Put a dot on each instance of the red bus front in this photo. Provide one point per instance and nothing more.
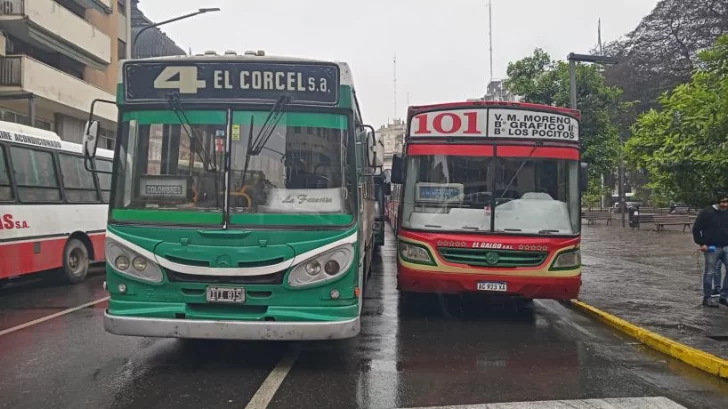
(490, 200)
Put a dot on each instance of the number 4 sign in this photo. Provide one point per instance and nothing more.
(182, 79)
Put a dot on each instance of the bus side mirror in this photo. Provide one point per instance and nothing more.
(91, 139)
(397, 169)
(375, 149)
(583, 177)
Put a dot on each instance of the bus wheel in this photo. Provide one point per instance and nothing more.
(75, 261)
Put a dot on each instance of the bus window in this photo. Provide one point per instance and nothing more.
(6, 192)
(104, 179)
(78, 183)
(35, 175)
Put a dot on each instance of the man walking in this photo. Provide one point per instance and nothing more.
(710, 232)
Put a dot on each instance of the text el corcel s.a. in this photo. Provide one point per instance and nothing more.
(268, 81)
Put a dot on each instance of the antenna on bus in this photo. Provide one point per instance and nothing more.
(395, 85)
(490, 35)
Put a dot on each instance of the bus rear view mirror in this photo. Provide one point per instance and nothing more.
(583, 177)
(397, 169)
(91, 139)
(375, 149)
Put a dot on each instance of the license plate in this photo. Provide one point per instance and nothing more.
(230, 295)
(492, 286)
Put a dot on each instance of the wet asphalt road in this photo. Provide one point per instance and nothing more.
(448, 352)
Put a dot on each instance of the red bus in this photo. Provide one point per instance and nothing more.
(52, 210)
(490, 200)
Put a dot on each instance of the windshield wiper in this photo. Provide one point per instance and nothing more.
(202, 154)
(513, 179)
(548, 231)
(271, 122)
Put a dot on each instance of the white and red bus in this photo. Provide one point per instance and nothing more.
(53, 211)
(490, 200)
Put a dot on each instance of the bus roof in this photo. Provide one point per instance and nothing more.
(346, 76)
(14, 133)
(414, 110)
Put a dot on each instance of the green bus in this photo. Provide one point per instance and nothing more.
(240, 205)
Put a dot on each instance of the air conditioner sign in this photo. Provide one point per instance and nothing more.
(304, 83)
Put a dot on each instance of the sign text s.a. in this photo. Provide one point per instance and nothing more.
(8, 222)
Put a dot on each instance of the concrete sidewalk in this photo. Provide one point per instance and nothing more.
(653, 280)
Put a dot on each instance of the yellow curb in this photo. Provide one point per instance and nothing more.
(691, 356)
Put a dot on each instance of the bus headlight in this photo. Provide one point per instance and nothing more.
(415, 254)
(140, 268)
(567, 259)
(323, 267)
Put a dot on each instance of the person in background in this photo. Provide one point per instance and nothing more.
(710, 232)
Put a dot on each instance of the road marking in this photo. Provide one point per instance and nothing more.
(275, 378)
(50, 317)
(612, 403)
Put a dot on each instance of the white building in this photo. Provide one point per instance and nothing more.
(56, 56)
(392, 135)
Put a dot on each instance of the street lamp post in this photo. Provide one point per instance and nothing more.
(595, 59)
(172, 20)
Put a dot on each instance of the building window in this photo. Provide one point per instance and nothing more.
(120, 7)
(121, 52)
(107, 138)
(18, 118)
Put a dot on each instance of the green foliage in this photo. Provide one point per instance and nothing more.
(540, 80)
(684, 146)
(593, 196)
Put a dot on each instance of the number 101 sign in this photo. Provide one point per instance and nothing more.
(496, 123)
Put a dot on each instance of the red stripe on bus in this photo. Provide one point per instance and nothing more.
(17, 259)
(540, 152)
(453, 150)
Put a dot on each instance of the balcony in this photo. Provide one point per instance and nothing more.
(48, 25)
(53, 90)
(100, 5)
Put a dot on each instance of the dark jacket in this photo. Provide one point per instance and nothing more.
(711, 227)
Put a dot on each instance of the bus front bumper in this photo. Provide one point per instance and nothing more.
(555, 288)
(233, 330)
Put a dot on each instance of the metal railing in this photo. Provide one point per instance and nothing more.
(12, 7)
(11, 71)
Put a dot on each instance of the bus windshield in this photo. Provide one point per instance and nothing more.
(456, 193)
(299, 169)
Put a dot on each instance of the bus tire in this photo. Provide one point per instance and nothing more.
(75, 261)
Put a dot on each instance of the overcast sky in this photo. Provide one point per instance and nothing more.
(441, 45)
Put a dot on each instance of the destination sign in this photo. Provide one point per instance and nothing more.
(495, 123)
(236, 81)
(436, 192)
(161, 187)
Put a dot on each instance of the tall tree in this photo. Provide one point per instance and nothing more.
(539, 79)
(684, 147)
(661, 52)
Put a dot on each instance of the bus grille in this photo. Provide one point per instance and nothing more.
(487, 257)
(269, 279)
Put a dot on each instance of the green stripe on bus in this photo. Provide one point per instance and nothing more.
(303, 119)
(169, 117)
(199, 217)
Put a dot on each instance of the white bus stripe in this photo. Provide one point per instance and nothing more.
(50, 317)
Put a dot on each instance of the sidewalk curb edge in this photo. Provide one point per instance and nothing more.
(694, 357)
